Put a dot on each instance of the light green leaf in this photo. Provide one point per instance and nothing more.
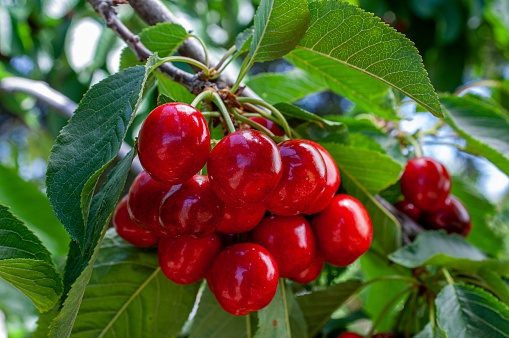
(496, 283)
(278, 27)
(428, 332)
(172, 89)
(243, 40)
(299, 113)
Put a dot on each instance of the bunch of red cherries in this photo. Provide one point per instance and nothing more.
(215, 226)
(426, 185)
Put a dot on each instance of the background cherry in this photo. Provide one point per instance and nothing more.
(425, 183)
(312, 272)
(408, 209)
(128, 230)
(290, 241)
(184, 260)
(304, 176)
(452, 217)
(244, 278)
(350, 335)
(239, 220)
(174, 143)
(269, 125)
(192, 209)
(343, 231)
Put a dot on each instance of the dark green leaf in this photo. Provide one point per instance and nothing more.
(174, 90)
(496, 283)
(162, 99)
(428, 332)
(299, 113)
(243, 40)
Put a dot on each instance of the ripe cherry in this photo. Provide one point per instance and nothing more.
(145, 196)
(269, 125)
(350, 335)
(332, 182)
(192, 209)
(343, 231)
(244, 167)
(128, 230)
(304, 176)
(425, 183)
(184, 260)
(244, 278)
(238, 220)
(174, 143)
(408, 209)
(290, 241)
(452, 217)
(312, 272)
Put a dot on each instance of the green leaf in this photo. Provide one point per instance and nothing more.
(467, 311)
(243, 40)
(174, 90)
(128, 295)
(480, 124)
(89, 142)
(299, 113)
(288, 87)
(278, 27)
(319, 305)
(359, 56)
(428, 332)
(496, 283)
(26, 264)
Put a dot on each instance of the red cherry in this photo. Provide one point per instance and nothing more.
(269, 125)
(244, 278)
(425, 183)
(244, 167)
(331, 185)
(184, 260)
(128, 230)
(290, 241)
(145, 196)
(383, 335)
(174, 143)
(304, 177)
(311, 273)
(192, 209)
(350, 335)
(239, 220)
(343, 231)
(452, 217)
(408, 209)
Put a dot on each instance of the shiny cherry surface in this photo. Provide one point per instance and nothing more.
(244, 278)
(312, 272)
(192, 209)
(238, 220)
(425, 183)
(128, 230)
(290, 241)
(343, 231)
(408, 209)
(174, 143)
(350, 335)
(269, 125)
(452, 217)
(331, 185)
(244, 167)
(184, 260)
(145, 196)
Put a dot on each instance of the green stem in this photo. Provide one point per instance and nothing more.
(285, 306)
(252, 123)
(414, 143)
(447, 275)
(263, 113)
(228, 53)
(181, 59)
(224, 111)
(432, 319)
(248, 326)
(204, 49)
(220, 71)
(272, 109)
(480, 83)
(206, 95)
(243, 71)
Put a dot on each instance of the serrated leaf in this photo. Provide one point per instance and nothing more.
(243, 40)
(350, 48)
(174, 90)
(497, 284)
(480, 124)
(278, 27)
(162, 99)
(467, 311)
(297, 112)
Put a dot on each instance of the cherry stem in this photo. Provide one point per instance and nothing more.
(413, 142)
(181, 59)
(262, 112)
(248, 325)
(285, 307)
(272, 109)
(228, 53)
(206, 95)
(204, 49)
(480, 83)
(447, 275)
(220, 71)
(224, 111)
(252, 123)
(243, 72)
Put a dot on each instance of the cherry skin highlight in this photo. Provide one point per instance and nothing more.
(425, 183)
(452, 217)
(312, 272)
(408, 209)
(184, 260)
(239, 220)
(244, 167)
(331, 185)
(174, 143)
(290, 241)
(343, 231)
(244, 278)
(191, 209)
(269, 125)
(304, 177)
(128, 230)
(145, 196)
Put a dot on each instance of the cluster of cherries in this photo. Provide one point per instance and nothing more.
(426, 185)
(216, 227)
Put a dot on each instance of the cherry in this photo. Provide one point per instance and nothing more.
(244, 278)
(304, 176)
(312, 272)
(174, 143)
(350, 335)
(186, 261)
(244, 167)
(383, 335)
(452, 217)
(191, 209)
(145, 196)
(425, 183)
(269, 125)
(239, 220)
(343, 231)
(331, 185)
(290, 241)
(128, 230)
(408, 209)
